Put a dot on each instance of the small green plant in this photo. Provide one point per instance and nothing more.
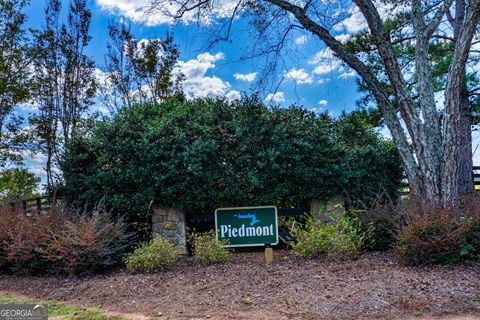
(309, 239)
(338, 237)
(158, 254)
(206, 248)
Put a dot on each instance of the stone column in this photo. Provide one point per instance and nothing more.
(169, 224)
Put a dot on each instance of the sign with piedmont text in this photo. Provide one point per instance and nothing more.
(247, 226)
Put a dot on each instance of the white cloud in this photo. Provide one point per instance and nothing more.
(141, 12)
(325, 62)
(276, 97)
(343, 37)
(34, 159)
(301, 40)
(386, 133)
(233, 95)
(300, 76)
(248, 77)
(323, 102)
(197, 84)
(195, 68)
(348, 74)
(355, 22)
(35, 163)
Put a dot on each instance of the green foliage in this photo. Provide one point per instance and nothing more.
(158, 254)
(440, 55)
(15, 84)
(204, 154)
(17, 184)
(371, 162)
(206, 248)
(62, 241)
(337, 237)
(439, 236)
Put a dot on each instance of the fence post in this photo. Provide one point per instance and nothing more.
(39, 205)
(24, 206)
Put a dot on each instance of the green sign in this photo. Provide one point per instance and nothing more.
(248, 226)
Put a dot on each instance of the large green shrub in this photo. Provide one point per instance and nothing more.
(158, 254)
(204, 154)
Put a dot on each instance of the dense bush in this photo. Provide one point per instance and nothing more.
(371, 166)
(61, 241)
(24, 240)
(206, 248)
(439, 236)
(158, 254)
(204, 154)
(337, 237)
(379, 222)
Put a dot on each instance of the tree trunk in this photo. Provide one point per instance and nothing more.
(465, 174)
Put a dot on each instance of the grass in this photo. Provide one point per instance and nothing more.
(60, 311)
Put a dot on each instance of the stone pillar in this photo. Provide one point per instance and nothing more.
(169, 224)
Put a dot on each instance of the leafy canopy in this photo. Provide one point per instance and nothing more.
(18, 183)
(204, 154)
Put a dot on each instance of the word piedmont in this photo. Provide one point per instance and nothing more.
(228, 231)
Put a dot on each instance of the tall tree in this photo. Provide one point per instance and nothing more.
(14, 78)
(138, 71)
(441, 48)
(427, 138)
(79, 79)
(64, 78)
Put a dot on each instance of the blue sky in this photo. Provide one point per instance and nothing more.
(322, 91)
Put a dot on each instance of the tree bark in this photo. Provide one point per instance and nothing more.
(465, 176)
(453, 96)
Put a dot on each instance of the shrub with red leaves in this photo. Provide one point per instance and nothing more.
(430, 235)
(61, 241)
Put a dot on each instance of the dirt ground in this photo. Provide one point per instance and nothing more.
(372, 287)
